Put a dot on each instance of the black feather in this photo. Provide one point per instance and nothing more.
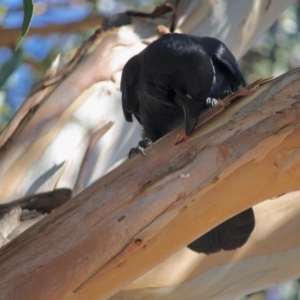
(168, 84)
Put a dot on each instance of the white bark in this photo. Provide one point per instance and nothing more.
(45, 147)
(239, 24)
(270, 256)
(143, 211)
(38, 156)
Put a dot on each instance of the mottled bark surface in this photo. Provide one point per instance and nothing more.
(143, 211)
(71, 131)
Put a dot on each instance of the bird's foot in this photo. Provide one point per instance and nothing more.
(142, 145)
(212, 102)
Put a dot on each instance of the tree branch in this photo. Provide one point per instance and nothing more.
(8, 37)
(142, 212)
(267, 258)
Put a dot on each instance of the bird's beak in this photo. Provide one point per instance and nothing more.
(192, 110)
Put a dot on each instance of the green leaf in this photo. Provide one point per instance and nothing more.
(28, 13)
(10, 66)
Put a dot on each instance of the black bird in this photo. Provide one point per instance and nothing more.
(167, 84)
(171, 82)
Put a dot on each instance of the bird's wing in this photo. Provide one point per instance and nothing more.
(229, 235)
(227, 63)
(224, 59)
(129, 82)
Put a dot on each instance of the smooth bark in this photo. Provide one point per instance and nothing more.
(148, 208)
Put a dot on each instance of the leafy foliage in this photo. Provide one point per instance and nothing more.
(28, 13)
(10, 66)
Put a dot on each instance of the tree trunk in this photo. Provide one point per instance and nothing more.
(67, 134)
(148, 208)
(270, 256)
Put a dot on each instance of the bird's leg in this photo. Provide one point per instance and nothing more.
(142, 145)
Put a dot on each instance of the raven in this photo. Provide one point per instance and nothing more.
(170, 83)
(161, 87)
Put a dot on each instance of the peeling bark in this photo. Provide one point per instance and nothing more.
(141, 206)
(65, 136)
